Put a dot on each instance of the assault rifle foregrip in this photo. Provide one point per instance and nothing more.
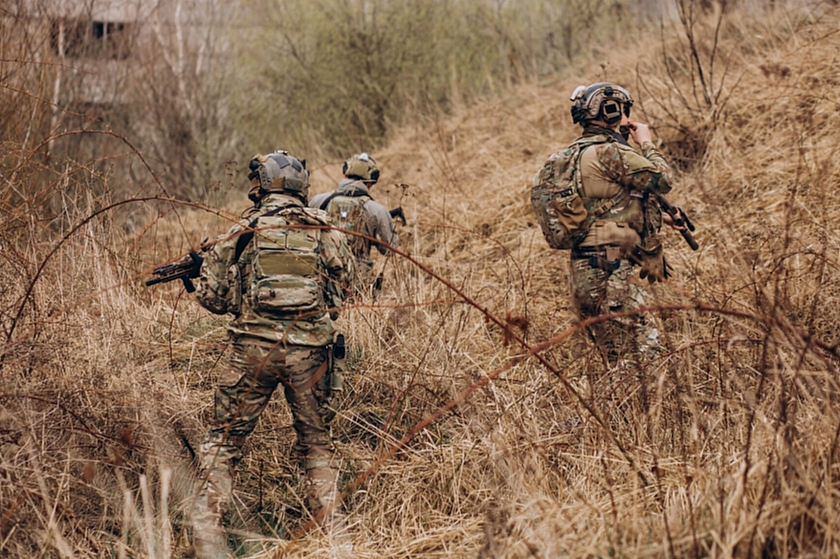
(398, 213)
(680, 219)
(185, 269)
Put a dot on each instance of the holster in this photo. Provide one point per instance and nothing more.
(604, 257)
(332, 381)
(602, 263)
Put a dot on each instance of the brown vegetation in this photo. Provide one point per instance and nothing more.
(476, 421)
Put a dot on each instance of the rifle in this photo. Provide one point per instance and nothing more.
(397, 213)
(681, 221)
(186, 269)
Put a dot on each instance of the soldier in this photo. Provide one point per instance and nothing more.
(281, 273)
(595, 199)
(352, 208)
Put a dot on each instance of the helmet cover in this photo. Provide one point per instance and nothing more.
(361, 167)
(603, 101)
(278, 172)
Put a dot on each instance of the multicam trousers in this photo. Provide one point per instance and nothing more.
(256, 368)
(631, 340)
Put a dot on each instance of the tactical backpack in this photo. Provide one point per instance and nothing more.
(565, 217)
(347, 211)
(287, 278)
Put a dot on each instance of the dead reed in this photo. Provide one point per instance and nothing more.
(728, 449)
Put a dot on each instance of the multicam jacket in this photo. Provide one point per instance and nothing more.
(226, 275)
(610, 166)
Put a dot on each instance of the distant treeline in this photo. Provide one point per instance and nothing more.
(182, 90)
(338, 75)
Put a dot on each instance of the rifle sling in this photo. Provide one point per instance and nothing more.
(355, 193)
(596, 213)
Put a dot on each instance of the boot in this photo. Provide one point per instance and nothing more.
(322, 498)
(208, 532)
(214, 488)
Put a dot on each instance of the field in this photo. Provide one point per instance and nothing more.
(477, 420)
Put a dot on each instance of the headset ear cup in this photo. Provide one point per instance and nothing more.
(344, 168)
(374, 175)
(610, 111)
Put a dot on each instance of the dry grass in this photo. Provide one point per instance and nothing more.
(729, 449)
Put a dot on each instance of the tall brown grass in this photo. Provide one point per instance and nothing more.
(726, 449)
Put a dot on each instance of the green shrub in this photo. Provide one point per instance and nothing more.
(335, 76)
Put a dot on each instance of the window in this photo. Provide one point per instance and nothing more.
(76, 38)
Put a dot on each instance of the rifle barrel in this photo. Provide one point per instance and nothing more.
(689, 238)
(683, 221)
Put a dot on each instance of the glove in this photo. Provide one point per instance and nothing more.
(655, 269)
(652, 261)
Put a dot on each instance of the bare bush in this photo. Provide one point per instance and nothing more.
(337, 76)
(476, 421)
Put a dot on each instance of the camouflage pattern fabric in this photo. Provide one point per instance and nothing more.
(255, 370)
(348, 213)
(610, 169)
(270, 348)
(627, 344)
(564, 216)
(222, 286)
(596, 292)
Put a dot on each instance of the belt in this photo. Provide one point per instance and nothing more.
(610, 252)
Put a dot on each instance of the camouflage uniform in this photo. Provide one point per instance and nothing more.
(268, 351)
(606, 169)
(379, 225)
(610, 168)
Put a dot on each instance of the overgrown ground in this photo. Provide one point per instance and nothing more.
(476, 422)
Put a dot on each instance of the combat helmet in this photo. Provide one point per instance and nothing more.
(603, 101)
(278, 172)
(361, 167)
